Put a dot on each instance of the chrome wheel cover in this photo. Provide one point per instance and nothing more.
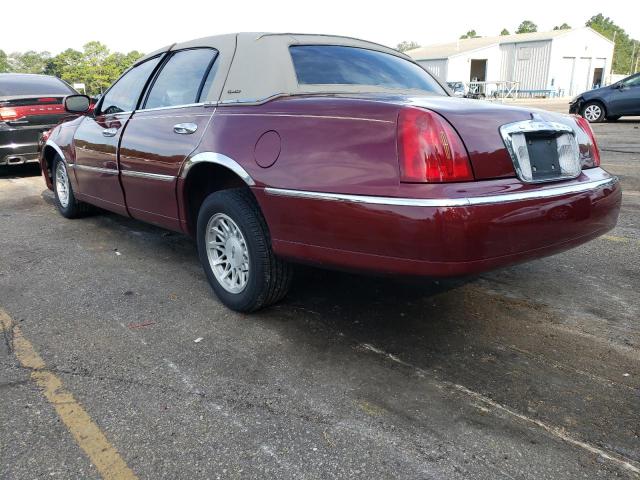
(228, 253)
(592, 113)
(62, 184)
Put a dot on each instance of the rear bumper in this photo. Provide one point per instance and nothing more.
(19, 146)
(440, 237)
(19, 154)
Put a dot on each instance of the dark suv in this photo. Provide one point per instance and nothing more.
(611, 102)
(29, 105)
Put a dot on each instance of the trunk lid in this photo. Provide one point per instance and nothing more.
(31, 110)
(478, 124)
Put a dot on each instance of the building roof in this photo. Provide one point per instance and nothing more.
(446, 50)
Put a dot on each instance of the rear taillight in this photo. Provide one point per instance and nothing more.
(7, 114)
(429, 149)
(589, 153)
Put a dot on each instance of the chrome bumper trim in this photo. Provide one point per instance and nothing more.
(542, 192)
(14, 146)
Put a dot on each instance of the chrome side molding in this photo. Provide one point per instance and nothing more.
(89, 168)
(217, 159)
(449, 202)
(151, 176)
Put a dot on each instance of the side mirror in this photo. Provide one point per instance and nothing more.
(77, 103)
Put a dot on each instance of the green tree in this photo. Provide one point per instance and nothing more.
(96, 75)
(470, 34)
(564, 26)
(407, 45)
(504, 32)
(4, 62)
(29, 62)
(95, 66)
(65, 64)
(527, 26)
(623, 50)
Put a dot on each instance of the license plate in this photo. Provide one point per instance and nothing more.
(542, 151)
(543, 157)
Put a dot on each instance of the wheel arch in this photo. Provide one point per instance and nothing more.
(49, 153)
(206, 173)
(599, 101)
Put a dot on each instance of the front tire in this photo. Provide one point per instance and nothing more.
(65, 199)
(594, 112)
(234, 247)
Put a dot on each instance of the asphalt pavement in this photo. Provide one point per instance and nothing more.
(528, 372)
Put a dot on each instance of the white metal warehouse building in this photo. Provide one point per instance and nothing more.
(565, 62)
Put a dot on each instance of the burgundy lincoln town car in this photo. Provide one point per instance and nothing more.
(269, 148)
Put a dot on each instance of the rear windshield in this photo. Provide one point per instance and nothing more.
(13, 85)
(339, 65)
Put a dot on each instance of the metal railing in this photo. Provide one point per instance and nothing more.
(497, 89)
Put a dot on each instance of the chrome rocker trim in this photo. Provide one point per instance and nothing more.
(448, 202)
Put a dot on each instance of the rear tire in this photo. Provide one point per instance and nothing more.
(594, 112)
(65, 199)
(234, 247)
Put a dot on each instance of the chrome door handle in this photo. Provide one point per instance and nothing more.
(185, 128)
(109, 132)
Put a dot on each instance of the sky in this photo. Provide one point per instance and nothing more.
(125, 25)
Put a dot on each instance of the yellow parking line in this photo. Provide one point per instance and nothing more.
(87, 434)
(613, 238)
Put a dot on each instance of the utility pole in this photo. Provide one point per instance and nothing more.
(633, 54)
(613, 54)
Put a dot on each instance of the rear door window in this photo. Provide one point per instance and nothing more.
(340, 65)
(16, 85)
(182, 79)
(124, 95)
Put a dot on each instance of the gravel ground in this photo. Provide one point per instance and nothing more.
(529, 372)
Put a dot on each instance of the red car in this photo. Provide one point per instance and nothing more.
(270, 148)
(29, 105)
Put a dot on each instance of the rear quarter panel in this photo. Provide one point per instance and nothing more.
(326, 144)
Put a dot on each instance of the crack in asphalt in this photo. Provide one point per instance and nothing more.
(623, 461)
(15, 383)
(619, 151)
(7, 335)
(230, 401)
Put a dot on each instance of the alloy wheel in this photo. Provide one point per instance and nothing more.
(62, 184)
(228, 253)
(592, 113)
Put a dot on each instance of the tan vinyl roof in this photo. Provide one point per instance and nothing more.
(259, 65)
(446, 50)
